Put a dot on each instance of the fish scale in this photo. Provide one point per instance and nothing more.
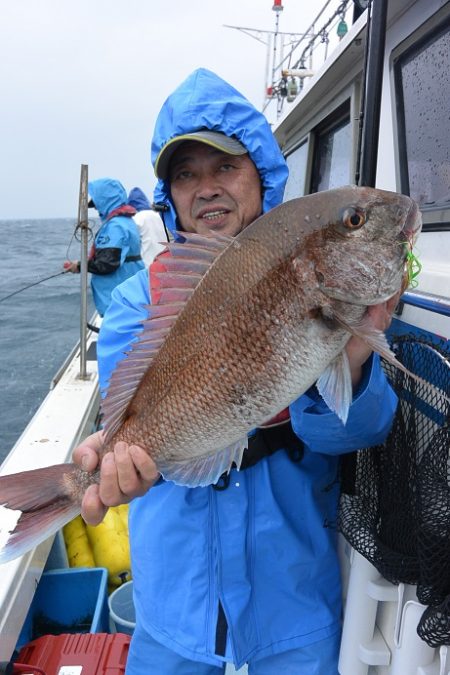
(241, 328)
(240, 350)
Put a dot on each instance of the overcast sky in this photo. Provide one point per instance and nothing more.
(83, 80)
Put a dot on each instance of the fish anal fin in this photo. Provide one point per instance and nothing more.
(205, 470)
(335, 386)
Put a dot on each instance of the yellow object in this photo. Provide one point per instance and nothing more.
(79, 550)
(123, 512)
(110, 546)
(104, 545)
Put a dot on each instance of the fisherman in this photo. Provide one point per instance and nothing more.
(244, 571)
(115, 255)
(150, 225)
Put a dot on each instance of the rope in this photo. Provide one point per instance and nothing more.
(31, 285)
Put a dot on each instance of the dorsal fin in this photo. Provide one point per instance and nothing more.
(174, 275)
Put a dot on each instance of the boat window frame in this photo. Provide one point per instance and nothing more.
(434, 219)
(340, 116)
(308, 140)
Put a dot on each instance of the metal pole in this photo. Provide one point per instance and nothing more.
(83, 226)
(373, 86)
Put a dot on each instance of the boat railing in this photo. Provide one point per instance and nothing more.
(94, 322)
(432, 302)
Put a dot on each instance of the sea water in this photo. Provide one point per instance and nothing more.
(40, 325)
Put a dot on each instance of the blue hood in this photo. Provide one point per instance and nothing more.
(138, 199)
(107, 194)
(205, 101)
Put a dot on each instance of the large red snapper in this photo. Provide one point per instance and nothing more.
(242, 327)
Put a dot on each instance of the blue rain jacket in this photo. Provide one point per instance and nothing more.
(116, 241)
(265, 547)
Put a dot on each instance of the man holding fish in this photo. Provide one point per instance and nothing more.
(244, 570)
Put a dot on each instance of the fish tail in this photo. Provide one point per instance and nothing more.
(34, 505)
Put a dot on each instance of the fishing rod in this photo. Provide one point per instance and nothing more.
(52, 276)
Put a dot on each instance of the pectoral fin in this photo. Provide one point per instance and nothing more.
(376, 339)
(335, 386)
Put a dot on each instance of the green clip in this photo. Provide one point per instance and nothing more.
(413, 268)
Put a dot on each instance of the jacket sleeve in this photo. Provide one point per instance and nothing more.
(369, 421)
(105, 261)
(111, 248)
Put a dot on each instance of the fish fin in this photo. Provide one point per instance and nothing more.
(205, 470)
(33, 506)
(212, 241)
(335, 386)
(178, 270)
(180, 267)
(174, 280)
(200, 246)
(377, 340)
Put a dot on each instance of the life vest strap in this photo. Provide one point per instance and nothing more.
(265, 442)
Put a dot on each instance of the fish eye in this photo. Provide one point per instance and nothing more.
(353, 218)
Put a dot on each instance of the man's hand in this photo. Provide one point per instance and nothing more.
(126, 473)
(72, 266)
(358, 351)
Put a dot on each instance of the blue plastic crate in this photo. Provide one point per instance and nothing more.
(68, 601)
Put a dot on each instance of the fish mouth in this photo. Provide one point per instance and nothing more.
(412, 224)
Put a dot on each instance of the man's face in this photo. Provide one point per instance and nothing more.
(213, 191)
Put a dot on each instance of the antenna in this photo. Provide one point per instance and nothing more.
(275, 41)
(285, 79)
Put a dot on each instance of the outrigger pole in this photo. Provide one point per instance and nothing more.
(371, 97)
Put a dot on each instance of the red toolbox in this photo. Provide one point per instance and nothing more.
(76, 654)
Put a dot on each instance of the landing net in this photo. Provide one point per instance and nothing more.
(395, 504)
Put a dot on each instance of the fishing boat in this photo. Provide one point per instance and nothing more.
(374, 112)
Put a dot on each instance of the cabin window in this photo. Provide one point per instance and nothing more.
(332, 157)
(297, 163)
(423, 92)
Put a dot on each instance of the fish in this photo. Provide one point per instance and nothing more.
(239, 328)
